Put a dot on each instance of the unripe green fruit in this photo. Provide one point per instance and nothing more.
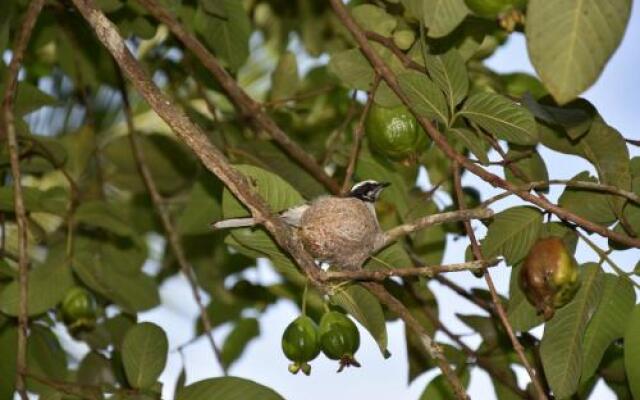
(549, 276)
(300, 344)
(403, 39)
(339, 338)
(78, 310)
(395, 133)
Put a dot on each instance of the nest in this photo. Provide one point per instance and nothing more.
(339, 231)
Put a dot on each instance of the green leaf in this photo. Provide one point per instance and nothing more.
(521, 314)
(502, 117)
(529, 163)
(100, 214)
(632, 351)
(285, 80)
(394, 256)
(29, 98)
(201, 208)
(8, 356)
(512, 233)
(449, 72)
(375, 19)
(244, 330)
(53, 200)
(608, 323)
(439, 387)
(277, 193)
(575, 117)
(561, 38)
(45, 358)
(228, 388)
(424, 95)
(561, 345)
(47, 285)
(352, 68)
(227, 35)
(471, 141)
(365, 308)
(95, 370)
(590, 204)
(443, 16)
(144, 354)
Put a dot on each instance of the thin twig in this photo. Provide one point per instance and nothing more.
(428, 271)
(434, 350)
(245, 105)
(8, 126)
(399, 231)
(440, 140)
(334, 138)
(477, 253)
(167, 224)
(358, 134)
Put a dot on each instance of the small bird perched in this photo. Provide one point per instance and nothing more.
(341, 231)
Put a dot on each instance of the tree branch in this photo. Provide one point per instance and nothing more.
(358, 134)
(399, 231)
(383, 70)
(242, 101)
(11, 86)
(165, 218)
(477, 253)
(428, 271)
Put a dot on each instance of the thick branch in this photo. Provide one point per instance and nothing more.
(428, 271)
(167, 224)
(242, 101)
(434, 350)
(477, 253)
(397, 232)
(193, 136)
(11, 86)
(383, 70)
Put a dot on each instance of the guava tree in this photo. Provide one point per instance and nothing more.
(130, 125)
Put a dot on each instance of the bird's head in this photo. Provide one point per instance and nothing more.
(368, 190)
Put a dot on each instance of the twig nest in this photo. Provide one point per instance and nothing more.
(339, 231)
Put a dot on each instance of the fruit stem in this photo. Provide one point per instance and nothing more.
(304, 298)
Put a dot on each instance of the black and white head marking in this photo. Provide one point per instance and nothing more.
(368, 190)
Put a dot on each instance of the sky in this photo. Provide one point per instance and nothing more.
(616, 95)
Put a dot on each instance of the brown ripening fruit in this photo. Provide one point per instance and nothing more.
(549, 276)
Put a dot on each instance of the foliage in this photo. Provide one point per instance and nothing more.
(94, 226)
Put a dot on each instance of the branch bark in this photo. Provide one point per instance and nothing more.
(242, 101)
(11, 86)
(165, 218)
(428, 271)
(383, 70)
(477, 253)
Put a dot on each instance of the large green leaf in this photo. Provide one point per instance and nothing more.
(424, 95)
(47, 286)
(439, 387)
(365, 308)
(228, 388)
(29, 98)
(570, 41)
(53, 200)
(352, 68)
(521, 314)
(227, 34)
(144, 354)
(471, 141)
(443, 16)
(589, 204)
(277, 193)
(449, 72)
(45, 358)
(201, 208)
(608, 323)
(284, 79)
(8, 356)
(244, 330)
(502, 117)
(561, 346)
(512, 233)
(529, 164)
(374, 19)
(632, 351)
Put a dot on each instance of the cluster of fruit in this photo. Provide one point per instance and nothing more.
(337, 336)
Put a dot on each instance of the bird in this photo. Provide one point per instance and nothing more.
(341, 231)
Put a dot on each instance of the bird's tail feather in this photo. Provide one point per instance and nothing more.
(233, 223)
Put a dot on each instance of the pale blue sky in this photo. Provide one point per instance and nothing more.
(617, 97)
